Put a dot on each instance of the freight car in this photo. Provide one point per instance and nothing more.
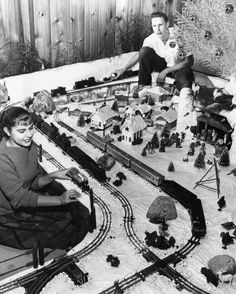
(87, 163)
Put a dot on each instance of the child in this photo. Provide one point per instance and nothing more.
(27, 214)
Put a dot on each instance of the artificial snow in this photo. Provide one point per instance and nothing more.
(140, 194)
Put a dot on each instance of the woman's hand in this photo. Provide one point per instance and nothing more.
(70, 196)
(60, 174)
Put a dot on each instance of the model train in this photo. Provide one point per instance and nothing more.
(125, 158)
(61, 140)
(181, 194)
(79, 178)
(188, 199)
(91, 82)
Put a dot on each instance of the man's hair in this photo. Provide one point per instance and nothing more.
(160, 14)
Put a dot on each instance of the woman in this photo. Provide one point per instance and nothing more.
(27, 214)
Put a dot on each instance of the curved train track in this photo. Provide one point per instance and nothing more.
(43, 275)
(40, 278)
(160, 265)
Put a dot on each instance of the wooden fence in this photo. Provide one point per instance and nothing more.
(68, 31)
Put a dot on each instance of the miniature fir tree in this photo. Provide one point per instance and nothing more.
(114, 106)
(144, 152)
(206, 28)
(200, 160)
(224, 158)
(81, 121)
(151, 100)
(162, 146)
(155, 140)
(171, 167)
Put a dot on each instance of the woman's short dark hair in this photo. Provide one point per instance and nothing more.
(12, 116)
(160, 14)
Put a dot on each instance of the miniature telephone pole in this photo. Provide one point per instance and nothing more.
(202, 182)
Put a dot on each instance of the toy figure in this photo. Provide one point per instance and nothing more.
(211, 278)
(214, 136)
(203, 148)
(226, 239)
(191, 150)
(221, 202)
(178, 143)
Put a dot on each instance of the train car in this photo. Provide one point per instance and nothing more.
(87, 163)
(75, 273)
(120, 155)
(178, 192)
(198, 219)
(96, 140)
(146, 171)
(80, 179)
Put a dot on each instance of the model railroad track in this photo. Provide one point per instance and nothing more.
(66, 126)
(180, 281)
(130, 77)
(160, 265)
(39, 278)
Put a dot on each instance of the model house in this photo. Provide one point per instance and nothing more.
(102, 118)
(165, 117)
(132, 128)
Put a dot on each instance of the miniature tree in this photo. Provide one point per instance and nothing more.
(81, 121)
(116, 129)
(224, 158)
(115, 106)
(211, 41)
(178, 142)
(171, 167)
(151, 100)
(155, 140)
(200, 160)
(144, 152)
(165, 131)
(162, 146)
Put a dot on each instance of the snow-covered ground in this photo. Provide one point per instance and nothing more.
(140, 193)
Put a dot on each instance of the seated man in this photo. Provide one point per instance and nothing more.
(161, 52)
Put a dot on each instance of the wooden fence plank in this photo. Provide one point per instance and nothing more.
(58, 32)
(87, 27)
(77, 25)
(42, 28)
(25, 20)
(106, 28)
